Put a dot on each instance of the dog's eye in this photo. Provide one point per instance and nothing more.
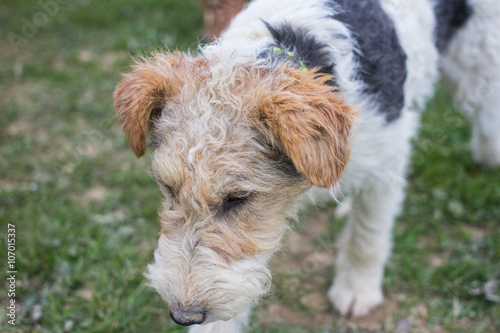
(235, 200)
(168, 189)
(165, 187)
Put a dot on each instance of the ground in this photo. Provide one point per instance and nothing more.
(85, 209)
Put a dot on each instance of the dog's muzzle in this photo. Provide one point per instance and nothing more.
(187, 318)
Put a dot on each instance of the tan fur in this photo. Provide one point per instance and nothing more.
(314, 125)
(228, 127)
(145, 90)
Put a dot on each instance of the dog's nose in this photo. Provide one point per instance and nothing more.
(187, 318)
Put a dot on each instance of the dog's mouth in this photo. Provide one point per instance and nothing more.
(203, 288)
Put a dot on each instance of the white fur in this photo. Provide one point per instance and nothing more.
(471, 67)
(375, 174)
(235, 324)
(182, 275)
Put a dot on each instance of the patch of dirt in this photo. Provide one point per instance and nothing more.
(283, 315)
(85, 56)
(147, 247)
(109, 58)
(97, 193)
(305, 269)
(322, 315)
(300, 251)
(316, 301)
(374, 321)
(28, 96)
(20, 127)
(27, 128)
(298, 244)
(106, 59)
(20, 185)
(87, 292)
(435, 260)
(475, 232)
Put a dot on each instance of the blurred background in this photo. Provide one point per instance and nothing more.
(85, 209)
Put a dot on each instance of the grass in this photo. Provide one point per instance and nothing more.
(85, 209)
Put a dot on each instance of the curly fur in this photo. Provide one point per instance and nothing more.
(239, 139)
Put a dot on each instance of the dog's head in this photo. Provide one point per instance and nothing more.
(235, 145)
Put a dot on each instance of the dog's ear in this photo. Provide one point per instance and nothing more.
(313, 124)
(143, 92)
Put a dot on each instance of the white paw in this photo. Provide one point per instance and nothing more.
(354, 297)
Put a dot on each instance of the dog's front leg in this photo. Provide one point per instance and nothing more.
(234, 325)
(364, 248)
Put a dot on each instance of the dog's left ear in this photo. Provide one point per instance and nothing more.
(143, 92)
(313, 123)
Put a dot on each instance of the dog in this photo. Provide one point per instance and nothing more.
(298, 95)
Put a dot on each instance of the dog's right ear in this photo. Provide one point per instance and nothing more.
(143, 92)
(312, 122)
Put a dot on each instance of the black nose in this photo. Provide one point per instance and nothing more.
(187, 318)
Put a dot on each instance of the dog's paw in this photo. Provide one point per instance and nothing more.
(356, 300)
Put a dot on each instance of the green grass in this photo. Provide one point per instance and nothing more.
(85, 208)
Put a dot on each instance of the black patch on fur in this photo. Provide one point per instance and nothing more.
(303, 45)
(450, 16)
(156, 137)
(279, 161)
(381, 58)
(286, 166)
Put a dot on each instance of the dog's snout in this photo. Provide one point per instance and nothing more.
(187, 318)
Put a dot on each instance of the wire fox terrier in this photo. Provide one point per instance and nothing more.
(298, 95)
